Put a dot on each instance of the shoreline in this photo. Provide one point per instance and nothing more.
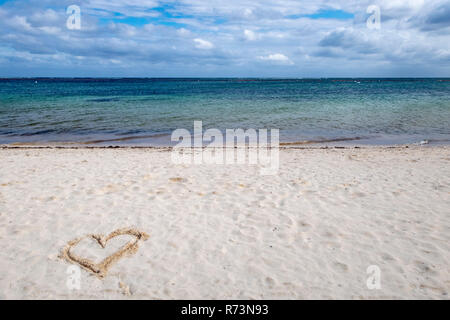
(282, 146)
(157, 140)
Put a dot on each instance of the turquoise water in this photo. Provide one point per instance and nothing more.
(146, 111)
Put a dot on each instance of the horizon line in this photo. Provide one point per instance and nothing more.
(244, 78)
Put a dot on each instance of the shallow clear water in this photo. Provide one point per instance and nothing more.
(146, 111)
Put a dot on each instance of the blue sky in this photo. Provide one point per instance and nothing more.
(233, 38)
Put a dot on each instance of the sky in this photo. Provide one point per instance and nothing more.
(231, 38)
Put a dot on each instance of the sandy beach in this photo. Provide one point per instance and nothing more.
(225, 231)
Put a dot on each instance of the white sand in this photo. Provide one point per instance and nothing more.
(226, 232)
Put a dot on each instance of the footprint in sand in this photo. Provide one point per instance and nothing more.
(342, 267)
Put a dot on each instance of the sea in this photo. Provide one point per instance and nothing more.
(145, 112)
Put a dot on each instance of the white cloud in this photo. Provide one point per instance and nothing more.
(50, 30)
(203, 44)
(19, 22)
(185, 34)
(276, 57)
(48, 16)
(250, 35)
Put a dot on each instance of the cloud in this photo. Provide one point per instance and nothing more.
(203, 44)
(19, 23)
(250, 35)
(440, 16)
(130, 8)
(276, 57)
(232, 38)
(436, 18)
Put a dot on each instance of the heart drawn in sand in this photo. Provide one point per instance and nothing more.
(101, 269)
